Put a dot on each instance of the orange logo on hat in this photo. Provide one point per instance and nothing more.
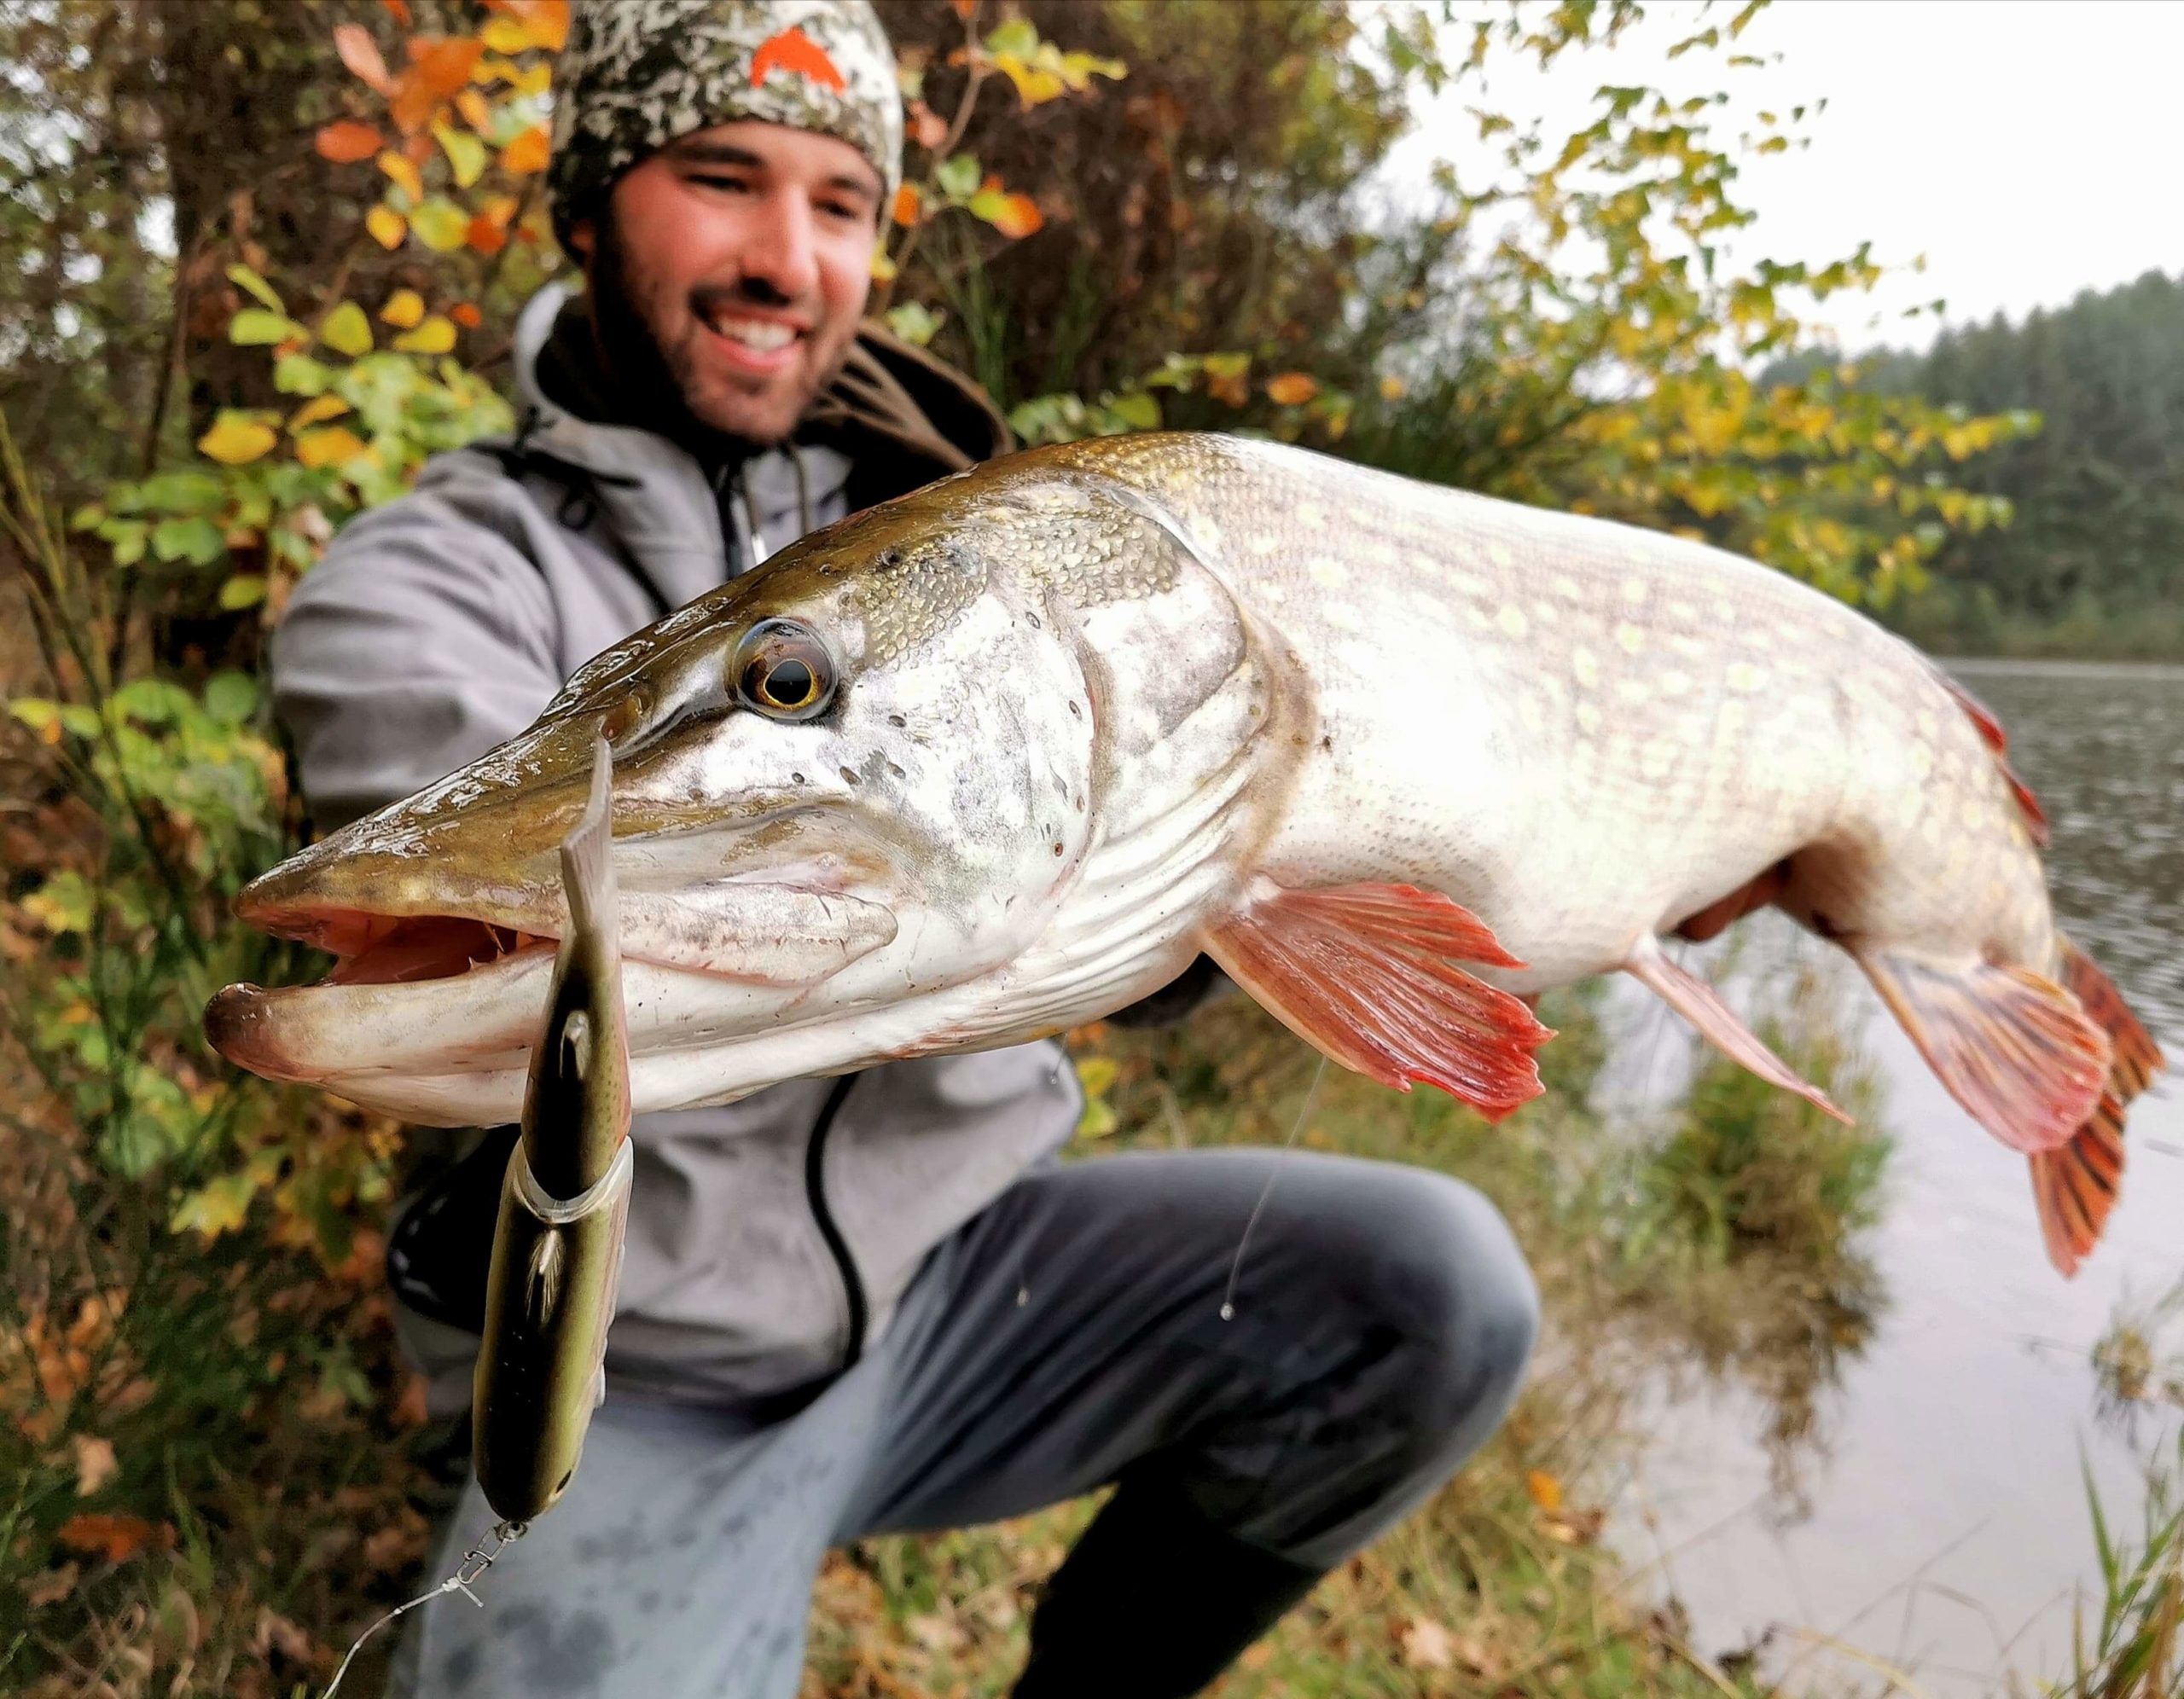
(794, 50)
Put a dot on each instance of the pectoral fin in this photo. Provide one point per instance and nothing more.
(1699, 1003)
(1367, 974)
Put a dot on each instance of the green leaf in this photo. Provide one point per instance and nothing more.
(300, 374)
(89, 517)
(347, 331)
(915, 323)
(252, 328)
(126, 538)
(958, 177)
(195, 539)
(440, 224)
(181, 492)
(244, 278)
(1137, 409)
(230, 698)
(1016, 36)
(149, 702)
(245, 589)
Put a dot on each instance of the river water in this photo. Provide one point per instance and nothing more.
(1944, 1527)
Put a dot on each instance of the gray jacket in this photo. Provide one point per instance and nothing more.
(769, 1240)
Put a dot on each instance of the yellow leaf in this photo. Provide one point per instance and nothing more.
(884, 268)
(506, 35)
(535, 79)
(236, 439)
(436, 335)
(329, 447)
(404, 308)
(1546, 1490)
(317, 412)
(347, 331)
(387, 226)
(1096, 1074)
(1292, 389)
(440, 224)
(466, 153)
(1391, 388)
(403, 175)
(1035, 85)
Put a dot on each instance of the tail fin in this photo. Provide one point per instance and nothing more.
(2075, 1187)
(587, 855)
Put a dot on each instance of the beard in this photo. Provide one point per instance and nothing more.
(655, 373)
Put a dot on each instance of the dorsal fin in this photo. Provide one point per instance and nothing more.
(1998, 740)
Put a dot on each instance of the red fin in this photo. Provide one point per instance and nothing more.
(2075, 1187)
(1992, 734)
(1367, 974)
(2138, 1058)
(2011, 1046)
(1699, 1003)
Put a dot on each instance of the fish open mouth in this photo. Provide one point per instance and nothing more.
(401, 949)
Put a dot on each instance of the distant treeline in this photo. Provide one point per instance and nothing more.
(2092, 564)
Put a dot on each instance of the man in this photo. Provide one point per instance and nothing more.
(872, 1303)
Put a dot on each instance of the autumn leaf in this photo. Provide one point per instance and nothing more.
(528, 153)
(466, 314)
(484, 235)
(443, 64)
(884, 269)
(1035, 84)
(440, 224)
(331, 447)
(256, 286)
(401, 174)
(345, 142)
(928, 128)
(347, 331)
(99, 1534)
(466, 153)
(1292, 389)
(436, 335)
(96, 1464)
(399, 10)
(255, 327)
(317, 412)
(360, 52)
(404, 308)
(475, 112)
(236, 439)
(1545, 1490)
(908, 202)
(1391, 388)
(387, 227)
(545, 23)
(1019, 216)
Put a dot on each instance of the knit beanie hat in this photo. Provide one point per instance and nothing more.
(636, 74)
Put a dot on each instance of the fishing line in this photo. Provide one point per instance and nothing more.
(1273, 1174)
(476, 1561)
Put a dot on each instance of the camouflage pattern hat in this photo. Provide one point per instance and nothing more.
(636, 74)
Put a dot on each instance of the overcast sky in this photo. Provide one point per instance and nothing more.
(2028, 148)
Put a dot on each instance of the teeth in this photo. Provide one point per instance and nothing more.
(758, 335)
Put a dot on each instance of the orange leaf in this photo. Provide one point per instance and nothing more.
(98, 1535)
(444, 63)
(964, 8)
(907, 205)
(475, 112)
(1019, 216)
(1546, 1490)
(466, 313)
(528, 153)
(345, 142)
(405, 175)
(360, 52)
(795, 51)
(1292, 389)
(412, 103)
(545, 21)
(928, 128)
(399, 10)
(485, 236)
(387, 226)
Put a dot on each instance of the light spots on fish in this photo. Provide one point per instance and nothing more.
(1343, 616)
(1545, 612)
(1310, 514)
(1584, 668)
(1744, 676)
(1529, 715)
(1632, 691)
(1327, 574)
(1922, 761)
(1566, 588)
(1675, 681)
(1629, 638)
(1511, 619)
(1636, 590)
(1381, 553)
(1655, 759)
(1691, 648)
(1269, 591)
(1589, 717)
(1498, 553)
(1264, 544)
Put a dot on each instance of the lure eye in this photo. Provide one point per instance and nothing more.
(782, 670)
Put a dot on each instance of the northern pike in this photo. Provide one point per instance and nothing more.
(1002, 756)
(565, 1202)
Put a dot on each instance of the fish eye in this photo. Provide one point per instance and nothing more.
(782, 670)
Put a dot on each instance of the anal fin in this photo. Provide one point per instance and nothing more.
(1367, 975)
(2012, 1047)
(1699, 1003)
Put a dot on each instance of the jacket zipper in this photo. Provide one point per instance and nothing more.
(815, 1192)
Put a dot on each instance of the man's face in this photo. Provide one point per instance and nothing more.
(732, 272)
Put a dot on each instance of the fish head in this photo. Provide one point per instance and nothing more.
(860, 775)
